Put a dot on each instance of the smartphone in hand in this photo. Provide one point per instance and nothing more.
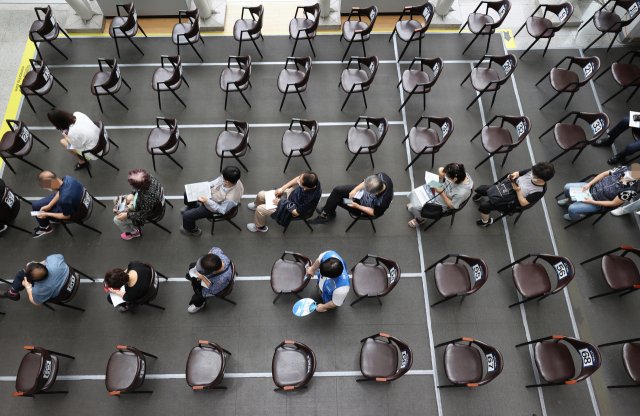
(347, 201)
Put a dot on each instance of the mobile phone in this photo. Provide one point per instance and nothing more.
(347, 201)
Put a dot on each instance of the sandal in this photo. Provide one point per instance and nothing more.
(415, 222)
(79, 166)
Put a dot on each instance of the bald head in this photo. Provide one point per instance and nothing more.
(49, 180)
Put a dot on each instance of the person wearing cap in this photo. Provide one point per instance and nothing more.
(43, 280)
(209, 275)
(333, 280)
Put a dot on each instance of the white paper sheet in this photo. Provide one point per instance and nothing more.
(115, 299)
(632, 123)
(196, 190)
(269, 196)
(36, 213)
(578, 195)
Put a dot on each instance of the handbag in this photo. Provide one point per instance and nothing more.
(502, 194)
(431, 210)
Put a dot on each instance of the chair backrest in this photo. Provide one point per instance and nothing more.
(495, 362)
(590, 355)
(141, 368)
(312, 13)
(43, 75)
(114, 77)
(372, 13)
(176, 62)
(393, 270)
(6, 203)
(522, 124)
(48, 23)
(382, 125)
(436, 65)
(631, 6)
(306, 63)
(446, 127)
(84, 210)
(132, 17)
(242, 127)
(223, 362)
(508, 63)
(426, 10)
(599, 122)
(194, 19)
(103, 140)
(69, 289)
(259, 10)
(159, 210)
(300, 258)
(590, 66)
(406, 358)
(502, 7)
(313, 127)
(227, 290)
(311, 360)
(564, 268)
(563, 10)
(45, 370)
(172, 123)
(22, 138)
(372, 63)
(479, 269)
(244, 62)
(153, 287)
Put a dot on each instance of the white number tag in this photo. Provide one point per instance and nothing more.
(492, 364)
(46, 371)
(521, 128)
(135, 15)
(507, 66)
(598, 125)
(313, 130)
(72, 283)
(310, 16)
(155, 279)
(87, 200)
(143, 368)
(588, 357)
(426, 12)
(106, 135)
(502, 10)
(177, 132)
(588, 69)
(306, 66)
(180, 70)
(445, 128)
(436, 69)
(46, 74)
(478, 272)
(372, 66)
(117, 70)
(634, 8)
(563, 270)
(25, 135)
(405, 359)
(381, 128)
(308, 364)
(52, 17)
(394, 274)
(10, 199)
(372, 14)
(564, 13)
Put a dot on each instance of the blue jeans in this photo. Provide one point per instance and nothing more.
(578, 208)
(44, 222)
(632, 207)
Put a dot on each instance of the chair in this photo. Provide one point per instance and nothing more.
(366, 140)
(38, 81)
(164, 140)
(610, 22)
(158, 212)
(190, 31)
(630, 359)
(168, 79)
(83, 213)
(358, 31)
(6, 208)
(46, 30)
(101, 149)
(463, 363)
(226, 217)
(602, 212)
(358, 80)
(153, 289)
(410, 30)
(222, 295)
(620, 272)
(245, 29)
(424, 141)
(235, 143)
(299, 143)
(572, 136)
(361, 216)
(498, 139)
(453, 279)
(236, 79)
(68, 291)
(541, 27)
(487, 79)
(418, 82)
(38, 372)
(108, 82)
(304, 217)
(371, 281)
(305, 27)
(518, 209)
(290, 277)
(206, 365)
(125, 27)
(532, 280)
(626, 75)
(379, 358)
(293, 365)
(296, 79)
(483, 23)
(126, 371)
(565, 80)
(18, 143)
(555, 363)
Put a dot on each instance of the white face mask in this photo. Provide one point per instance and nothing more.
(299, 184)
(627, 176)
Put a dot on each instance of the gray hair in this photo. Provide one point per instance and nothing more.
(373, 184)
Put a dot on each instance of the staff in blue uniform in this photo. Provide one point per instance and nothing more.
(333, 280)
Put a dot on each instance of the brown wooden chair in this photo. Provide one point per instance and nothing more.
(374, 280)
(541, 27)
(296, 79)
(164, 140)
(206, 365)
(620, 273)
(108, 82)
(38, 372)
(125, 27)
(305, 27)
(152, 292)
(366, 140)
(158, 212)
(38, 81)
(304, 217)
(293, 365)
(46, 29)
(497, 140)
(573, 137)
(227, 290)
(228, 217)
(358, 80)
(483, 23)
(379, 358)
(610, 22)
(453, 279)
(487, 79)
(18, 143)
(625, 74)
(187, 33)
(68, 290)
(126, 371)
(418, 81)
(233, 143)
(236, 79)
(83, 213)
(101, 149)
(411, 30)
(299, 143)
(168, 79)
(9, 209)
(463, 362)
(289, 277)
(630, 359)
(245, 29)
(555, 363)
(358, 31)
(424, 141)
(565, 80)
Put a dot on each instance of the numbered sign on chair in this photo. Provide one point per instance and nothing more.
(106, 135)
(143, 369)
(177, 132)
(393, 274)
(634, 9)
(117, 70)
(426, 12)
(372, 14)
(598, 125)
(10, 199)
(381, 128)
(564, 13)
(562, 269)
(588, 357)
(46, 369)
(478, 271)
(306, 66)
(46, 74)
(589, 68)
(372, 66)
(406, 355)
(310, 16)
(309, 364)
(445, 128)
(304, 307)
(135, 15)
(521, 127)
(24, 134)
(507, 66)
(492, 362)
(53, 19)
(313, 130)
(72, 283)
(87, 200)
(436, 68)
(502, 10)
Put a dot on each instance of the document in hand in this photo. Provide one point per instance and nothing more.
(432, 180)
(115, 299)
(36, 213)
(196, 190)
(578, 195)
(424, 194)
(269, 196)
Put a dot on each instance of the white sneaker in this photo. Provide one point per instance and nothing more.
(252, 227)
(637, 212)
(618, 212)
(251, 206)
(194, 308)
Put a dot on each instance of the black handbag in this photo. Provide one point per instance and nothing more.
(502, 194)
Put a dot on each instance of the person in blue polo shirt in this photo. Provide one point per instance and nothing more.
(42, 280)
(59, 206)
(333, 280)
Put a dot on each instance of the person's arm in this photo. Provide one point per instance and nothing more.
(323, 307)
(287, 185)
(596, 180)
(367, 210)
(446, 199)
(311, 270)
(51, 204)
(29, 287)
(221, 208)
(355, 190)
(57, 215)
(521, 199)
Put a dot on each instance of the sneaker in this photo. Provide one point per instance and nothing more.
(6, 295)
(127, 236)
(251, 206)
(184, 209)
(54, 221)
(194, 308)
(320, 210)
(197, 231)
(252, 227)
(618, 212)
(123, 307)
(563, 202)
(568, 218)
(320, 220)
(476, 197)
(39, 231)
(481, 223)
(603, 142)
(4, 228)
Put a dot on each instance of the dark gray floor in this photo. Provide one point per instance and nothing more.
(254, 327)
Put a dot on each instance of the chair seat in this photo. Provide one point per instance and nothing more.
(412, 77)
(369, 279)
(477, 21)
(554, 361)
(204, 366)
(300, 23)
(30, 78)
(122, 370)
(419, 137)
(452, 278)
(162, 75)
(100, 78)
(378, 358)
(36, 37)
(290, 76)
(481, 77)
(531, 279)
(560, 78)
(406, 28)
(604, 20)
(9, 143)
(462, 364)
(290, 367)
(537, 27)
(245, 24)
(351, 76)
(295, 139)
(183, 28)
(620, 272)
(625, 74)
(232, 75)
(349, 29)
(119, 21)
(567, 135)
(159, 138)
(631, 360)
(360, 136)
(493, 137)
(229, 140)
(287, 275)
(29, 371)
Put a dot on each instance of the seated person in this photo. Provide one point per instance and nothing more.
(458, 185)
(612, 135)
(528, 187)
(13, 210)
(303, 199)
(143, 200)
(609, 189)
(226, 191)
(333, 280)
(211, 274)
(79, 133)
(43, 280)
(136, 280)
(59, 206)
(374, 200)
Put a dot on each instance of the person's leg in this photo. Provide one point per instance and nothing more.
(37, 206)
(189, 218)
(190, 205)
(626, 152)
(75, 153)
(485, 210)
(482, 190)
(614, 133)
(126, 226)
(578, 208)
(259, 219)
(259, 198)
(335, 199)
(567, 192)
(632, 207)
(16, 287)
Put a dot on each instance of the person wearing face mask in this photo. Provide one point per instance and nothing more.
(226, 191)
(59, 206)
(42, 280)
(299, 201)
(209, 275)
(609, 189)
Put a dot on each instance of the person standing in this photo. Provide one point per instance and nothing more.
(333, 280)
(79, 133)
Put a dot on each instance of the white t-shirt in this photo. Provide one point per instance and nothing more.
(340, 294)
(83, 134)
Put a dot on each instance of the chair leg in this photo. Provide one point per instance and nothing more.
(107, 162)
(153, 306)
(305, 107)
(82, 224)
(234, 224)
(46, 305)
(345, 52)
(579, 221)
(430, 225)
(30, 105)
(345, 101)
(484, 160)
(471, 43)
(59, 51)
(405, 101)
(134, 44)
(311, 44)
(352, 224)
(357, 300)
(239, 161)
(597, 39)
(46, 101)
(226, 300)
(413, 161)
(194, 49)
(628, 291)
(121, 103)
(475, 99)
(623, 386)
(488, 42)
(16, 228)
(569, 100)
(153, 158)
(29, 163)
(256, 45)
(551, 99)
(606, 294)
(352, 160)
(371, 157)
(305, 161)
(530, 46)
(279, 294)
(159, 226)
(524, 301)
(40, 141)
(70, 306)
(83, 274)
(580, 151)
(60, 83)
(100, 104)
(632, 94)
(403, 51)
(175, 161)
(294, 45)
(179, 99)
(613, 39)
(308, 225)
(546, 47)
(245, 99)
(615, 95)
(443, 300)
(66, 228)
(282, 103)
(373, 226)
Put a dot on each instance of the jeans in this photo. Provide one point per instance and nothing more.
(126, 226)
(632, 207)
(16, 286)
(578, 208)
(44, 222)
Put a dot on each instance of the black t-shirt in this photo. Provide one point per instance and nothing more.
(533, 197)
(141, 287)
(386, 198)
